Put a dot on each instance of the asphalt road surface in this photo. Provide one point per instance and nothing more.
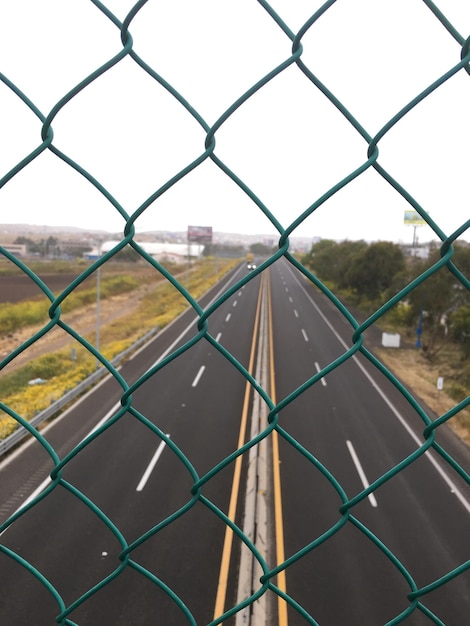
(358, 427)
(132, 534)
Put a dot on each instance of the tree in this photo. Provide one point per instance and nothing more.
(321, 258)
(330, 259)
(374, 269)
(439, 296)
(460, 327)
(261, 249)
(33, 246)
(348, 253)
(51, 246)
(224, 250)
(24, 241)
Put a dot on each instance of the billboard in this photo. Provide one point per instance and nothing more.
(200, 234)
(413, 218)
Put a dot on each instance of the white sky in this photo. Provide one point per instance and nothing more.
(287, 143)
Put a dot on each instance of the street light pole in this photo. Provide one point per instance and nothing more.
(98, 289)
(98, 305)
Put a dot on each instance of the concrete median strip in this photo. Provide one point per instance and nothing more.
(255, 519)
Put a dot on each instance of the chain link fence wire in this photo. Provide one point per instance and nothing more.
(47, 120)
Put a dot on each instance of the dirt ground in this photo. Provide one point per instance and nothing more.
(83, 320)
(410, 366)
(15, 288)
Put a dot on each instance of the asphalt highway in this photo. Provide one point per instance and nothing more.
(133, 524)
(356, 427)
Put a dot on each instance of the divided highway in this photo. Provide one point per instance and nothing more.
(350, 428)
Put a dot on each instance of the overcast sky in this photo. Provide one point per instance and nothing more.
(287, 143)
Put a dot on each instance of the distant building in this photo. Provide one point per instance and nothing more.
(169, 252)
(419, 252)
(16, 249)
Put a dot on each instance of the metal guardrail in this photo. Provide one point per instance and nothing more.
(21, 432)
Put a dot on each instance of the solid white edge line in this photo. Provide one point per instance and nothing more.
(151, 466)
(45, 483)
(361, 472)
(318, 368)
(198, 375)
(443, 474)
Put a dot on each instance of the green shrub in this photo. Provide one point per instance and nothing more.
(22, 314)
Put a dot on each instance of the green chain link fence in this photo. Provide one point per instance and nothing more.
(268, 585)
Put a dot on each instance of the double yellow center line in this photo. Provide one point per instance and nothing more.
(278, 518)
(279, 526)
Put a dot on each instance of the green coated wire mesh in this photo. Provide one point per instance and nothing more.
(282, 602)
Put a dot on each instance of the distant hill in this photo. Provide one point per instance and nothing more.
(9, 232)
(38, 229)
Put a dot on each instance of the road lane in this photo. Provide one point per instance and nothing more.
(203, 424)
(413, 517)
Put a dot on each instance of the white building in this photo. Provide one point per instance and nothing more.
(170, 252)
